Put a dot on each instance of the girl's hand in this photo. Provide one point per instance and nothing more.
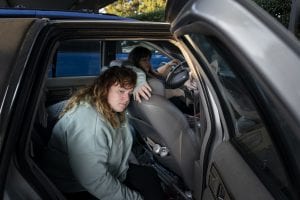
(143, 91)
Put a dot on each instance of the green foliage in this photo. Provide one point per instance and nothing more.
(280, 9)
(155, 16)
(153, 10)
(148, 10)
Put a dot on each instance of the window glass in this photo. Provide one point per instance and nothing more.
(124, 48)
(250, 134)
(77, 58)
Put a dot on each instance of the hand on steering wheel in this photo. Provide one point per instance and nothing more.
(177, 75)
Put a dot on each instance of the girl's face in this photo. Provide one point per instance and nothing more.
(118, 97)
(145, 63)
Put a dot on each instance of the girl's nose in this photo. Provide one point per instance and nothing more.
(126, 96)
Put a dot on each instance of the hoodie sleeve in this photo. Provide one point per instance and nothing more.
(141, 77)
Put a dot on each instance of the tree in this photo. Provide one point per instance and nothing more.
(155, 16)
(138, 9)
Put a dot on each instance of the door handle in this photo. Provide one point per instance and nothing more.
(216, 185)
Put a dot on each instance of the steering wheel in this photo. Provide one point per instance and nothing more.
(177, 76)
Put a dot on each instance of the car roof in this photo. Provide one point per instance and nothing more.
(54, 14)
(88, 5)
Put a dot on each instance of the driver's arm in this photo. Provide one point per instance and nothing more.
(142, 89)
(164, 69)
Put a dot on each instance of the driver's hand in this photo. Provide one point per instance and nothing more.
(173, 62)
(191, 83)
(165, 69)
(143, 91)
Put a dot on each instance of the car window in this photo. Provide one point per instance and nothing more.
(249, 134)
(77, 58)
(83, 57)
(124, 48)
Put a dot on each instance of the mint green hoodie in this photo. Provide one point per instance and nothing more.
(86, 153)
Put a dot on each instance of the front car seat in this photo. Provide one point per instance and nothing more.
(166, 130)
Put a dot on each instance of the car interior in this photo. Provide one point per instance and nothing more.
(203, 131)
(172, 130)
(167, 130)
(223, 125)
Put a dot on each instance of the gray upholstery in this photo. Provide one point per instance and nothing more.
(157, 87)
(162, 122)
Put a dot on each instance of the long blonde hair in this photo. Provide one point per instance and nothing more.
(97, 93)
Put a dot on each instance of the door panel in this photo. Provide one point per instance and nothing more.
(245, 136)
(230, 177)
(17, 187)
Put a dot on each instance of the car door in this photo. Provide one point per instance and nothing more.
(248, 64)
(25, 74)
(21, 81)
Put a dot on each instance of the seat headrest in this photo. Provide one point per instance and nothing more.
(157, 86)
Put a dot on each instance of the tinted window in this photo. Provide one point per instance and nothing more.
(249, 133)
(77, 58)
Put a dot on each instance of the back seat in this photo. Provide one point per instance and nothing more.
(42, 129)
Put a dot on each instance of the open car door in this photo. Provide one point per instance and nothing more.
(239, 53)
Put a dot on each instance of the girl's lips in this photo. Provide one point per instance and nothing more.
(123, 104)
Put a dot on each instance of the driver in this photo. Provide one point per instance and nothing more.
(140, 57)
